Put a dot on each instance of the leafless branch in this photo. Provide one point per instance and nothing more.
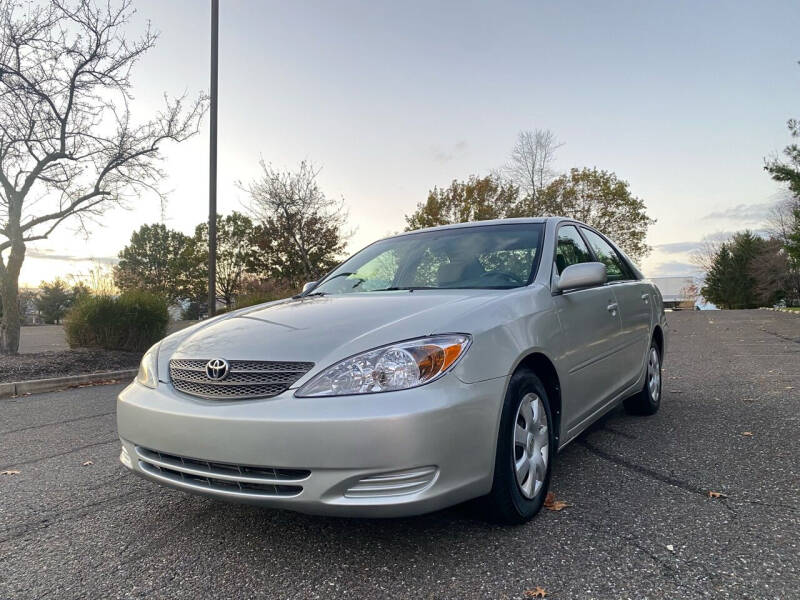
(69, 146)
(530, 166)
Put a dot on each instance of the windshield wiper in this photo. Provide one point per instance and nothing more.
(308, 295)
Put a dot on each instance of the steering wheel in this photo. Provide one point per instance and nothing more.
(510, 277)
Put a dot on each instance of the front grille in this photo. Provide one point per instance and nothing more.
(245, 379)
(228, 479)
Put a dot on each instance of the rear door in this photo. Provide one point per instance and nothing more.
(635, 308)
(590, 327)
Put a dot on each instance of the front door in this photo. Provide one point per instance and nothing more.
(635, 309)
(591, 329)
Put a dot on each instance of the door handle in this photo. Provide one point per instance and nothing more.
(646, 298)
(612, 308)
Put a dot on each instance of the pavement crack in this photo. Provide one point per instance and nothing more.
(647, 472)
(54, 518)
(75, 420)
(783, 337)
(49, 456)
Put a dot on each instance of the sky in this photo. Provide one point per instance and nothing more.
(683, 100)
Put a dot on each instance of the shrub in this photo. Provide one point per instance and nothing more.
(264, 291)
(133, 321)
(255, 298)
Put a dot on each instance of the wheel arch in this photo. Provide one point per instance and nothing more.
(544, 369)
(658, 338)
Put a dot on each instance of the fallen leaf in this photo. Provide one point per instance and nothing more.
(747, 433)
(9, 472)
(537, 592)
(87, 463)
(550, 502)
(716, 494)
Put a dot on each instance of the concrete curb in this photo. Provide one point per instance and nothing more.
(37, 386)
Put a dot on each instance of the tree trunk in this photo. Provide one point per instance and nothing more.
(11, 320)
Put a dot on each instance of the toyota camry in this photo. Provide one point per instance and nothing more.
(430, 368)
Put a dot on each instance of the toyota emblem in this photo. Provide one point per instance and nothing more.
(217, 369)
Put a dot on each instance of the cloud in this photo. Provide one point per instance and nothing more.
(678, 247)
(688, 247)
(443, 155)
(743, 213)
(47, 254)
(674, 269)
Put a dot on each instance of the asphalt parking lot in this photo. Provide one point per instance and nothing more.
(640, 522)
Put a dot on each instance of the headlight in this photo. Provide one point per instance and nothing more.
(394, 367)
(148, 368)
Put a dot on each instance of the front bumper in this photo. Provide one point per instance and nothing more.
(376, 455)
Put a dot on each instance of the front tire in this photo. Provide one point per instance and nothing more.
(525, 451)
(648, 400)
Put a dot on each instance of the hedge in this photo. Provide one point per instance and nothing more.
(132, 321)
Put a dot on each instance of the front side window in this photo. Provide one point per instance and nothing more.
(481, 257)
(608, 256)
(570, 249)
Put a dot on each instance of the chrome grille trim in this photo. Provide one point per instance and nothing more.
(397, 483)
(245, 379)
(233, 480)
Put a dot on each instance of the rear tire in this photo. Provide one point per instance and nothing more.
(648, 400)
(525, 452)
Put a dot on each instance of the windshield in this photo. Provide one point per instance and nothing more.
(486, 257)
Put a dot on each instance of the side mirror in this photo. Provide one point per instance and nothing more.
(582, 275)
(309, 285)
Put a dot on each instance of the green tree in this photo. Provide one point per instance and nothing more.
(477, 199)
(774, 277)
(600, 199)
(53, 300)
(70, 147)
(787, 170)
(80, 290)
(161, 261)
(301, 232)
(237, 254)
(731, 281)
(786, 221)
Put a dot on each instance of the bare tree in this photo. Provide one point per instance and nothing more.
(690, 293)
(302, 233)
(530, 166)
(705, 255)
(781, 217)
(69, 147)
(783, 226)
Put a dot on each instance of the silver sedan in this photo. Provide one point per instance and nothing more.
(430, 368)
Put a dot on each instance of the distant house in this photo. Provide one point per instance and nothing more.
(682, 292)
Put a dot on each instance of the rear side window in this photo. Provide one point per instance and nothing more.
(616, 269)
(571, 248)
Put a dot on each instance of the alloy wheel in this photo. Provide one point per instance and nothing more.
(654, 375)
(531, 445)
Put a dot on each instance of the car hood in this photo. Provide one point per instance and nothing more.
(324, 329)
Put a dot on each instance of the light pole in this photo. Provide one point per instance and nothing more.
(212, 165)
